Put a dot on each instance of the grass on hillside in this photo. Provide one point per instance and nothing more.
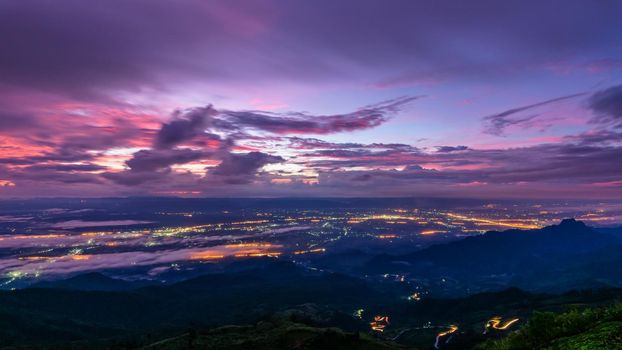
(588, 329)
(274, 335)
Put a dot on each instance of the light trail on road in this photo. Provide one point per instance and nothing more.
(495, 323)
(452, 329)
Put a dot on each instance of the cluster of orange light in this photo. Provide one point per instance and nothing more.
(431, 232)
(415, 296)
(387, 236)
(250, 222)
(48, 236)
(594, 217)
(125, 235)
(206, 256)
(247, 253)
(501, 223)
(249, 245)
(71, 257)
(397, 219)
(34, 258)
(80, 257)
(92, 234)
(379, 323)
(257, 254)
(316, 250)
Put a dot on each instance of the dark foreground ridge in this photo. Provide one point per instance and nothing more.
(278, 305)
(280, 332)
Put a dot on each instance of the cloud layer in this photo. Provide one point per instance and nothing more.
(278, 98)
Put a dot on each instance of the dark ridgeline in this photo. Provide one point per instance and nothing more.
(554, 258)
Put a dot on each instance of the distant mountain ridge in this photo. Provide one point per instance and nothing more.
(514, 256)
(92, 281)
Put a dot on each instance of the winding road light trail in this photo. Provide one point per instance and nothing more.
(452, 328)
(495, 323)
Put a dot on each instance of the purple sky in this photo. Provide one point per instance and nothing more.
(311, 98)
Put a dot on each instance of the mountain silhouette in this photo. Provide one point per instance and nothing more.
(523, 257)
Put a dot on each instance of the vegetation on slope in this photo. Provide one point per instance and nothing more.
(592, 329)
(274, 334)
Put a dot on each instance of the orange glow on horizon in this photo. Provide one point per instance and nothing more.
(310, 181)
(80, 257)
(281, 181)
(7, 183)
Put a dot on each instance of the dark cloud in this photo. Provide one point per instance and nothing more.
(121, 55)
(50, 174)
(185, 126)
(150, 160)
(11, 121)
(66, 167)
(60, 156)
(62, 166)
(607, 105)
(563, 163)
(133, 178)
(596, 137)
(344, 153)
(447, 149)
(239, 168)
(147, 166)
(303, 123)
(348, 155)
(88, 50)
(315, 144)
(497, 123)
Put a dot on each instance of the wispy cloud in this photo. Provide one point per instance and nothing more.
(607, 104)
(496, 124)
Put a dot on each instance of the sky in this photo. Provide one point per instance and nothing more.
(486, 99)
